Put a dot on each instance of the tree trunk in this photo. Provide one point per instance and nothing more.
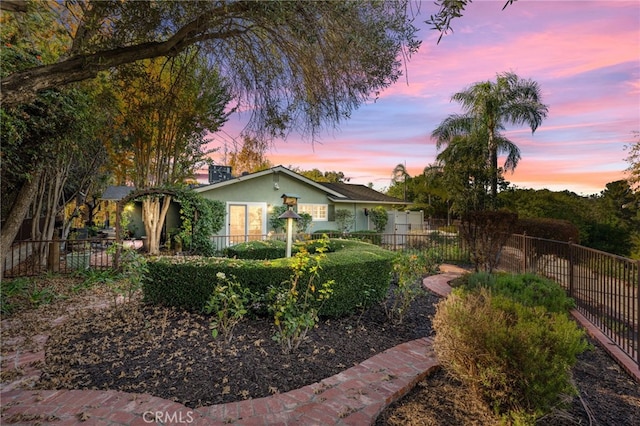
(153, 216)
(17, 214)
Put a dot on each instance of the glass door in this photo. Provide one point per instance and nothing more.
(246, 222)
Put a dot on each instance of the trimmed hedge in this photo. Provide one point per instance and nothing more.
(262, 250)
(373, 237)
(361, 271)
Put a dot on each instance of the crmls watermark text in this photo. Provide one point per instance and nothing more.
(166, 417)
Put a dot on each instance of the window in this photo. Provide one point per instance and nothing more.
(317, 211)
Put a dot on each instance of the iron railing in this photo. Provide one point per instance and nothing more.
(604, 286)
(32, 257)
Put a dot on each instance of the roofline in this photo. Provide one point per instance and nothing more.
(352, 201)
(277, 169)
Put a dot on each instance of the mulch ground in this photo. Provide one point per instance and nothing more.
(171, 354)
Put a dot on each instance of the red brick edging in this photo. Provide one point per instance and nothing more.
(353, 397)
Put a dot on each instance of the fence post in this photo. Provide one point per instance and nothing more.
(638, 314)
(571, 264)
(53, 260)
(524, 252)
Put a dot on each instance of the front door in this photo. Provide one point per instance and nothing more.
(246, 222)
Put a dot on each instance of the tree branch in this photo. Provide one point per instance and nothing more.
(21, 87)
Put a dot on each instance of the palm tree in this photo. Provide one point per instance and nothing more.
(488, 107)
(399, 175)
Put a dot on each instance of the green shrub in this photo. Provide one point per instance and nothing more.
(361, 273)
(516, 358)
(485, 233)
(228, 304)
(277, 224)
(373, 237)
(304, 222)
(345, 219)
(408, 269)
(312, 246)
(528, 289)
(261, 249)
(379, 217)
(295, 305)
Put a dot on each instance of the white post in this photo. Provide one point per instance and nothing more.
(289, 235)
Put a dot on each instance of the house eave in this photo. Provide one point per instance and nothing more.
(277, 169)
(352, 201)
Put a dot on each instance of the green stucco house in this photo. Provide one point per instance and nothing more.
(250, 199)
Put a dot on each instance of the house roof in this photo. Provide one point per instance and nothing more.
(116, 193)
(359, 193)
(277, 169)
(337, 192)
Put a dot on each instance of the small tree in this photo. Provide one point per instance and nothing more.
(304, 222)
(344, 220)
(485, 233)
(379, 217)
(277, 224)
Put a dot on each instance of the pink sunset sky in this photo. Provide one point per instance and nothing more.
(584, 54)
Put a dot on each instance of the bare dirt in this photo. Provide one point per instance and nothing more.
(171, 354)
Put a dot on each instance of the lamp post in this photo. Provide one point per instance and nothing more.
(289, 200)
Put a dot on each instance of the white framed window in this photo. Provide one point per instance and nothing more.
(319, 212)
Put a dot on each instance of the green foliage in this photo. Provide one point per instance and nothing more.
(201, 219)
(312, 246)
(516, 358)
(18, 293)
(318, 176)
(92, 277)
(408, 269)
(187, 282)
(133, 270)
(304, 222)
(10, 289)
(228, 303)
(259, 249)
(372, 237)
(474, 137)
(527, 289)
(277, 224)
(379, 217)
(608, 221)
(344, 220)
(295, 306)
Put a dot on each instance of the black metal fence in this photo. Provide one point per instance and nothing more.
(604, 286)
(32, 258)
